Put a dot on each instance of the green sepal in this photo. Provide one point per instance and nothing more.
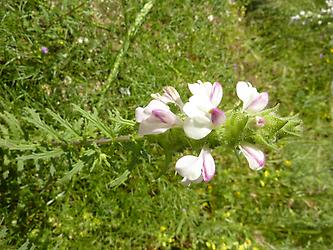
(259, 139)
(272, 125)
(232, 132)
(291, 128)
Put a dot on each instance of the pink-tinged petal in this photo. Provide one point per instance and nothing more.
(156, 118)
(149, 128)
(260, 121)
(257, 104)
(189, 166)
(208, 165)
(156, 104)
(254, 156)
(208, 88)
(172, 94)
(160, 98)
(217, 116)
(140, 115)
(216, 94)
(196, 130)
(165, 116)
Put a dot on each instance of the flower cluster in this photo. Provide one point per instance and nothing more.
(319, 17)
(198, 117)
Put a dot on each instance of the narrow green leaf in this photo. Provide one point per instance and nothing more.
(95, 120)
(77, 167)
(34, 119)
(44, 155)
(63, 122)
(25, 245)
(16, 145)
(132, 31)
(119, 180)
(116, 117)
(13, 124)
(4, 131)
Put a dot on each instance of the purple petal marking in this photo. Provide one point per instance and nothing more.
(249, 150)
(260, 121)
(261, 98)
(207, 171)
(216, 87)
(160, 114)
(217, 116)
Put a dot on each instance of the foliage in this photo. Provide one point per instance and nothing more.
(75, 175)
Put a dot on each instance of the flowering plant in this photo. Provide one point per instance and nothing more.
(246, 129)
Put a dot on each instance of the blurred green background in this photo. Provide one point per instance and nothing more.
(124, 195)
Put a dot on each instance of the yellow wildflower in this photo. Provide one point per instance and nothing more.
(287, 163)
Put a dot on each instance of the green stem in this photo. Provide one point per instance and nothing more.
(237, 156)
(100, 141)
(123, 51)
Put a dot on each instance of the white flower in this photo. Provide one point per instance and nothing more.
(203, 114)
(170, 95)
(156, 118)
(196, 169)
(254, 156)
(210, 18)
(295, 18)
(253, 102)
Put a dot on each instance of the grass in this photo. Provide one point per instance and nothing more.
(124, 195)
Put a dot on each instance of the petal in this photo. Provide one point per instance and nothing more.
(140, 115)
(202, 102)
(191, 110)
(243, 90)
(189, 166)
(185, 181)
(207, 88)
(216, 94)
(217, 116)
(200, 88)
(196, 130)
(160, 98)
(196, 88)
(165, 116)
(258, 104)
(246, 93)
(172, 94)
(208, 166)
(156, 104)
(149, 127)
(254, 156)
